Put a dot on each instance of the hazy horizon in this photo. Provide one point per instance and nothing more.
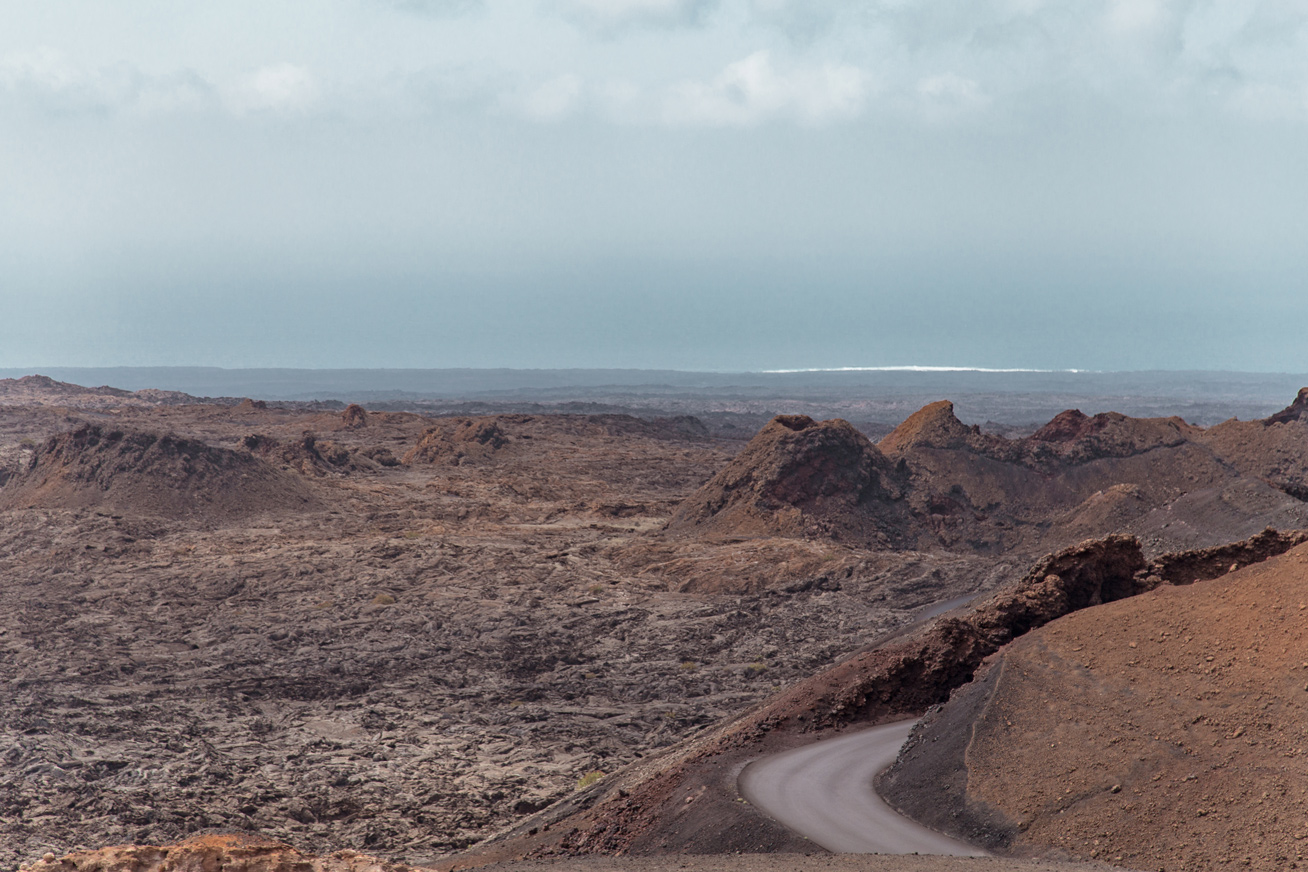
(725, 185)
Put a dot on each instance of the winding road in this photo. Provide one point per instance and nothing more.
(824, 791)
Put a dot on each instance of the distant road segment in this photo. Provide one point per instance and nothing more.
(824, 791)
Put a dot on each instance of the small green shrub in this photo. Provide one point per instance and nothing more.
(588, 779)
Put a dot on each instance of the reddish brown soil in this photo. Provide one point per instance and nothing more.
(1164, 732)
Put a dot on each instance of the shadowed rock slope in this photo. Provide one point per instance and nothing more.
(143, 473)
(800, 477)
(1166, 732)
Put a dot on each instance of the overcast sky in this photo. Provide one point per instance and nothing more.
(694, 184)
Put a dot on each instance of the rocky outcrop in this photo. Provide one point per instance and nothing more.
(354, 417)
(800, 477)
(932, 426)
(1187, 567)
(145, 473)
(459, 440)
(1071, 437)
(1296, 411)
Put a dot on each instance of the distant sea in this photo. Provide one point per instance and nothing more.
(1031, 394)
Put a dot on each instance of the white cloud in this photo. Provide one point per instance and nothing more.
(552, 99)
(1132, 17)
(42, 68)
(51, 82)
(753, 90)
(436, 8)
(948, 95)
(614, 15)
(283, 87)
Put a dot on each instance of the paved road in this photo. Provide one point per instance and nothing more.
(824, 791)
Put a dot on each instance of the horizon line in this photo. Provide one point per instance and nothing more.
(917, 369)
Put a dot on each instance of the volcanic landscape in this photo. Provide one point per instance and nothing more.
(258, 632)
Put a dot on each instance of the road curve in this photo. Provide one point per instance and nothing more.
(824, 791)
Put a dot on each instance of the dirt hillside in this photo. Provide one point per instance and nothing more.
(143, 473)
(1168, 731)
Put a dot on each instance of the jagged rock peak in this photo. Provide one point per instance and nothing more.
(932, 426)
(1296, 411)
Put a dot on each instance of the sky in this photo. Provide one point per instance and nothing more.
(680, 184)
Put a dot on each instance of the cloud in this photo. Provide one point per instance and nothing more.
(753, 90)
(802, 20)
(282, 87)
(436, 8)
(610, 16)
(49, 81)
(948, 95)
(552, 99)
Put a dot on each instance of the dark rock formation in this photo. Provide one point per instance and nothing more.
(801, 477)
